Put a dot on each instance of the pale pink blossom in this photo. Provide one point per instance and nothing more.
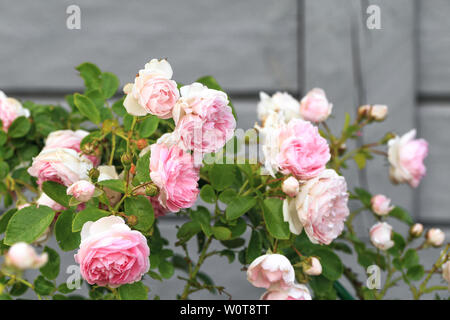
(378, 112)
(10, 110)
(71, 140)
(61, 165)
(153, 91)
(22, 256)
(294, 292)
(406, 156)
(320, 208)
(381, 236)
(290, 186)
(303, 152)
(81, 190)
(173, 171)
(271, 270)
(281, 103)
(435, 237)
(416, 230)
(315, 106)
(204, 120)
(111, 254)
(381, 204)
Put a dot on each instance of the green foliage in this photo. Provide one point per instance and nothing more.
(66, 238)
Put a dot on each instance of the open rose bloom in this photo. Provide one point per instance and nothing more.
(271, 270)
(294, 292)
(111, 254)
(315, 106)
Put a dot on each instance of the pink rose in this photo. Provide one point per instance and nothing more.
(173, 171)
(204, 120)
(64, 166)
(315, 106)
(111, 254)
(10, 109)
(158, 209)
(45, 200)
(416, 230)
(294, 292)
(23, 256)
(290, 186)
(435, 237)
(381, 205)
(303, 152)
(381, 236)
(71, 140)
(406, 156)
(152, 92)
(320, 207)
(271, 270)
(81, 190)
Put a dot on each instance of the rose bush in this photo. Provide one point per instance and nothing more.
(99, 176)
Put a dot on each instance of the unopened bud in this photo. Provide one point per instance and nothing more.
(342, 149)
(23, 256)
(126, 160)
(132, 220)
(435, 237)
(94, 173)
(312, 266)
(388, 136)
(378, 112)
(416, 230)
(88, 148)
(133, 169)
(363, 111)
(290, 186)
(151, 190)
(141, 144)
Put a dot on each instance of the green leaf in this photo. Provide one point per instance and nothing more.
(4, 219)
(133, 291)
(254, 247)
(273, 215)
(203, 217)
(110, 84)
(221, 176)
(113, 184)
(415, 273)
(239, 228)
(19, 127)
(239, 206)
(28, 224)
(3, 137)
(118, 107)
(87, 108)
(91, 75)
(51, 269)
(67, 240)
(140, 207)
(360, 159)
(166, 269)
(233, 243)
(227, 196)
(89, 214)
(401, 214)
(364, 196)
(18, 289)
(221, 233)
(188, 230)
(207, 194)
(410, 259)
(63, 288)
(332, 267)
(43, 286)
(399, 244)
(212, 83)
(4, 169)
(148, 126)
(143, 168)
(56, 192)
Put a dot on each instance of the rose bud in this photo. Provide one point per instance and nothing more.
(271, 270)
(81, 190)
(363, 111)
(94, 173)
(435, 237)
(23, 256)
(141, 144)
(290, 186)
(315, 106)
(312, 267)
(416, 230)
(381, 205)
(446, 271)
(381, 236)
(378, 112)
(295, 292)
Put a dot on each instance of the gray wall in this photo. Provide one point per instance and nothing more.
(257, 45)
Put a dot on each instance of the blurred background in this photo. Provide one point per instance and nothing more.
(252, 46)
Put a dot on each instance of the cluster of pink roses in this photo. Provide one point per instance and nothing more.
(204, 122)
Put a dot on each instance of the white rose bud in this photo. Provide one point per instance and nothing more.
(290, 186)
(416, 230)
(435, 237)
(313, 267)
(381, 236)
(23, 256)
(378, 112)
